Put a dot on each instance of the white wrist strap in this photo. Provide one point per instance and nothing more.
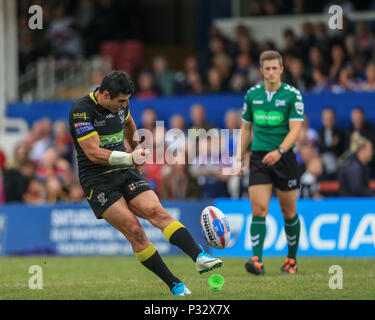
(119, 157)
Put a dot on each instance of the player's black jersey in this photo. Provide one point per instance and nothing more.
(88, 118)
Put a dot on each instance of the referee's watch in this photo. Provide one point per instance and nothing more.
(281, 150)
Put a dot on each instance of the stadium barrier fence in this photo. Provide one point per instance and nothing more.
(330, 227)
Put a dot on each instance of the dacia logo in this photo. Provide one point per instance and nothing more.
(81, 115)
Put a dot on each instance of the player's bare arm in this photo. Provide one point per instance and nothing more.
(91, 147)
(273, 156)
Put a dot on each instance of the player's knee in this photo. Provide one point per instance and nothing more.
(134, 233)
(288, 213)
(156, 213)
(259, 210)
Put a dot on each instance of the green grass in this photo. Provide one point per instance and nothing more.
(125, 278)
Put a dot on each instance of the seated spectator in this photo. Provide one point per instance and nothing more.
(309, 185)
(208, 166)
(63, 141)
(354, 173)
(304, 152)
(361, 125)
(177, 124)
(215, 81)
(194, 83)
(178, 183)
(331, 142)
(17, 181)
(36, 193)
(322, 83)
(65, 40)
(369, 84)
(322, 39)
(245, 66)
(239, 83)
(311, 134)
(345, 81)
(164, 78)
(298, 78)
(364, 37)
(338, 58)
(75, 193)
(41, 138)
(198, 118)
(146, 86)
(148, 118)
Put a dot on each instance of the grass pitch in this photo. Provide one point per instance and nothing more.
(87, 278)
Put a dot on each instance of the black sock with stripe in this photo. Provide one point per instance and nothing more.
(178, 235)
(151, 259)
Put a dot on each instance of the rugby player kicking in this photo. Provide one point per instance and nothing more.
(113, 185)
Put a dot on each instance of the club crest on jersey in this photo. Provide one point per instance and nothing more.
(280, 103)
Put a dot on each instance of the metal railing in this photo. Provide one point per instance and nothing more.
(49, 78)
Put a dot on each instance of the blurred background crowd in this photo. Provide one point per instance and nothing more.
(43, 167)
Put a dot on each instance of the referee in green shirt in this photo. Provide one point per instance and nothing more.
(274, 111)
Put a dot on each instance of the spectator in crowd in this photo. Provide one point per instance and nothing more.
(304, 152)
(309, 181)
(364, 38)
(178, 125)
(322, 39)
(63, 141)
(41, 138)
(194, 83)
(298, 78)
(2, 194)
(64, 38)
(345, 81)
(198, 118)
(354, 174)
(54, 190)
(75, 193)
(146, 86)
(331, 142)
(148, 118)
(312, 136)
(244, 66)
(2, 159)
(369, 84)
(215, 81)
(290, 43)
(178, 183)
(361, 125)
(36, 193)
(208, 166)
(322, 82)
(164, 78)
(17, 181)
(239, 82)
(338, 61)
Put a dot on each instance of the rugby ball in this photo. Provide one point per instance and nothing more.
(215, 227)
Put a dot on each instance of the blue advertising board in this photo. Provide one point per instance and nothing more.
(330, 227)
(67, 229)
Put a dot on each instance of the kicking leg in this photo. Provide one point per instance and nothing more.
(120, 217)
(147, 205)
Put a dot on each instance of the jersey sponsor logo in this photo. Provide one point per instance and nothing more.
(299, 108)
(99, 123)
(280, 103)
(80, 115)
(112, 139)
(257, 101)
(271, 118)
(83, 127)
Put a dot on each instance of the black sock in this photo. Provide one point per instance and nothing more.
(151, 259)
(178, 235)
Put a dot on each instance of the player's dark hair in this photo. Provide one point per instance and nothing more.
(116, 83)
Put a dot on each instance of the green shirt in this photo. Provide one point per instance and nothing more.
(270, 114)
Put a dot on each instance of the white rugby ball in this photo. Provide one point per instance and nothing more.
(215, 227)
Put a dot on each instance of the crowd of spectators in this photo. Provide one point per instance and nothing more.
(43, 168)
(316, 61)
